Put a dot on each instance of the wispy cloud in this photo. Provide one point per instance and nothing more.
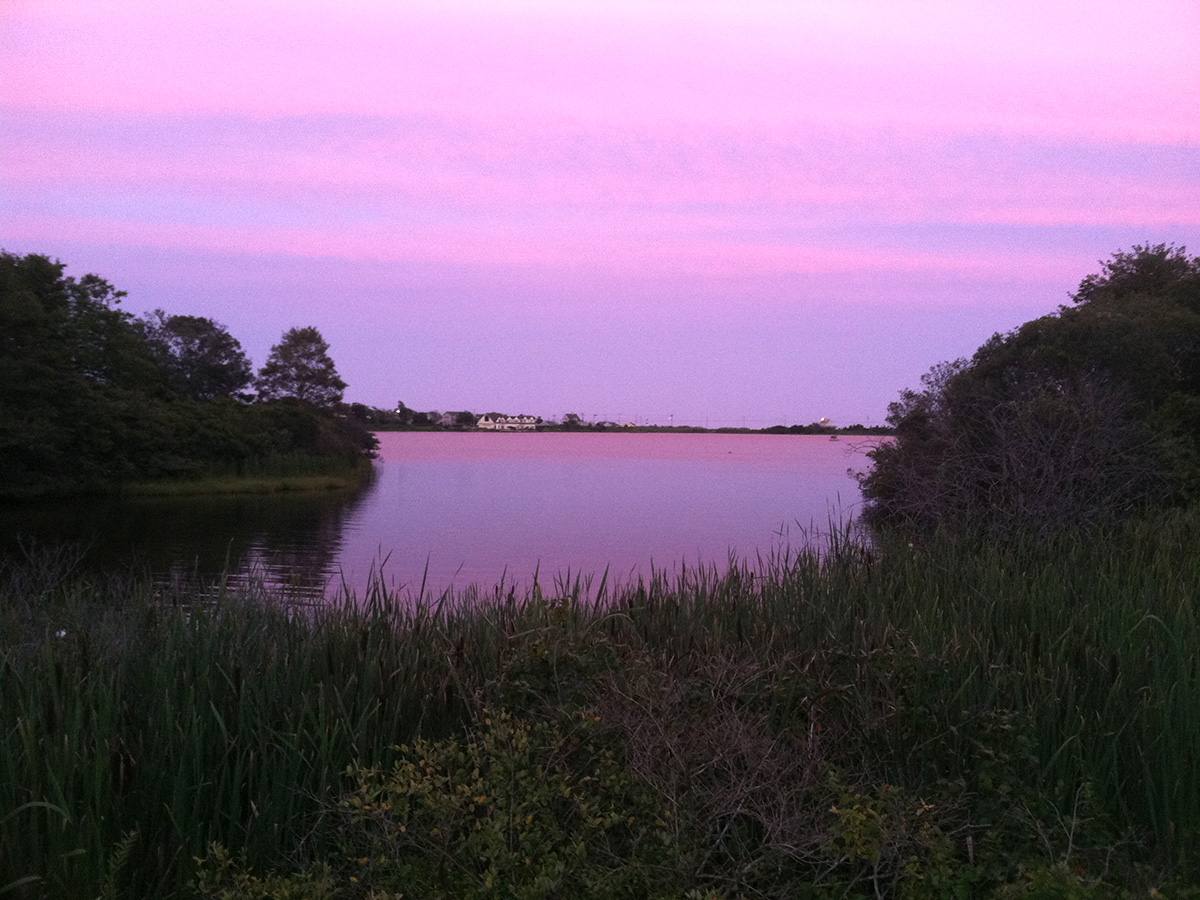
(1068, 68)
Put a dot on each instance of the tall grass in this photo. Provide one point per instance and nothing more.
(138, 727)
(126, 713)
(276, 474)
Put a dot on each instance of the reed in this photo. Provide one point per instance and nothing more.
(273, 475)
(182, 721)
(241, 485)
(1042, 679)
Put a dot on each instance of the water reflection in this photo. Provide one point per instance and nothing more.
(288, 541)
(461, 509)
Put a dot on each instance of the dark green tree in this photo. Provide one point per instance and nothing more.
(1084, 416)
(1160, 269)
(202, 359)
(300, 366)
(79, 386)
(91, 398)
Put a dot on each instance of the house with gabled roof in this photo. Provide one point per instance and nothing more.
(501, 422)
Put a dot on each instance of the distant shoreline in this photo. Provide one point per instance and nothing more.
(828, 431)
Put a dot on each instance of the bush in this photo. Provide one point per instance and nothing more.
(1084, 417)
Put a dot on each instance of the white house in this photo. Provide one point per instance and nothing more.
(498, 422)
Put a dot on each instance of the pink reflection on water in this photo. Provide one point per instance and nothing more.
(806, 451)
(472, 508)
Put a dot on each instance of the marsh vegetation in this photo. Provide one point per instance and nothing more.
(947, 719)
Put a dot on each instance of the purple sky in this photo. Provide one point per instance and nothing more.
(729, 212)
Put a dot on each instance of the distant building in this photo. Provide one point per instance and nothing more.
(500, 422)
(457, 419)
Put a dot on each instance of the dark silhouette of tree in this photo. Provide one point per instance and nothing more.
(299, 366)
(1161, 269)
(77, 380)
(202, 359)
(1085, 416)
(91, 398)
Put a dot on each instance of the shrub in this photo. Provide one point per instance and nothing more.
(518, 809)
(1084, 417)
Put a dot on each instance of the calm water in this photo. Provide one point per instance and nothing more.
(462, 508)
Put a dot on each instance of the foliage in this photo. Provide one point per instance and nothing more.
(222, 877)
(941, 720)
(380, 419)
(185, 718)
(1146, 270)
(92, 399)
(518, 808)
(1086, 416)
(80, 403)
(201, 359)
(826, 428)
(320, 433)
(299, 366)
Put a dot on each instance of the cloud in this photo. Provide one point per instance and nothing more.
(622, 200)
(616, 168)
(1064, 69)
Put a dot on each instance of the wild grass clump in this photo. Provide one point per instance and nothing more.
(946, 719)
(171, 722)
(283, 473)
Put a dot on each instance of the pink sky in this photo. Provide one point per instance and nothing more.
(753, 212)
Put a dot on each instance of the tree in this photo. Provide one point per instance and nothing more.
(1146, 269)
(77, 380)
(91, 398)
(67, 328)
(202, 360)
(1085, 416)
(299, 366)
(404, 415)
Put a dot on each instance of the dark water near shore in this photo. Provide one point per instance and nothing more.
(452, 509)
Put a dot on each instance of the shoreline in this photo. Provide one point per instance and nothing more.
(209, 485)
(785, 430)
(241, 485)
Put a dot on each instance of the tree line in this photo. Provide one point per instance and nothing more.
(403, 418)
(1086, 416)
(92, 397)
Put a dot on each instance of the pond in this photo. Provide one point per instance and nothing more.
(452, 509)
